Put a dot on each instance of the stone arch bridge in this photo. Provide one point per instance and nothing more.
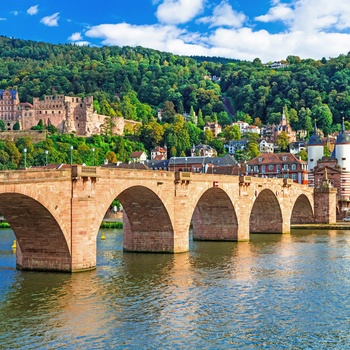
(56, 214)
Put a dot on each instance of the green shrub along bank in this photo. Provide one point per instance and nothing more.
(103, 225)
(116, 224)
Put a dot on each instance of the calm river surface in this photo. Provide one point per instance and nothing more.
(275, 292)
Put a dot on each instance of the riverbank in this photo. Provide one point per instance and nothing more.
(341, 225)
(105, 224)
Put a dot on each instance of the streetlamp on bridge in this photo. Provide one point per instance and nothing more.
(174, 164)
(93, 156)
(46, 155)
(25, 158)
(71, 155)
(186, 164)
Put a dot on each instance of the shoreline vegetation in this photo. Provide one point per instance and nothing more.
(112, 224)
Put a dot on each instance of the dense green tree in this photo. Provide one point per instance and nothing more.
(303, 155)
(323, 115)
(17, 126)
(282, 141)
(232, 133)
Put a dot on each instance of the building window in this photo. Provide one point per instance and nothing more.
(260, 159)
(270, 167)
(343, 159)
(284, 158)
(294, 166)
(294, 176)
(256, 168)
(263, 168)
(285, 167)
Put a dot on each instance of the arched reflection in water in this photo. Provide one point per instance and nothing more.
(219, 295)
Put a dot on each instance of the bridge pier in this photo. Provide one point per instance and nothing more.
(325, 204)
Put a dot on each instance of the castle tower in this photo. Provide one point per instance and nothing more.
(315, 153)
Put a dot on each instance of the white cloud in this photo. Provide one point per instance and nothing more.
(75, 37)
(122, 34)
(280, 12)
(3, 19)
(179, 11)
(51, 21)
(224, 15)
(33, 10)
(15, 13)
(310, 15)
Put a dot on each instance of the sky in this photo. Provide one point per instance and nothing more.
(240, 29)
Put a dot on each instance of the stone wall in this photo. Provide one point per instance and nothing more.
(36, 136)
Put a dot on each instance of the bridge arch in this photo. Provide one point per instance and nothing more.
(41, 243)
(302, 212)
(147, 225)
(266, 214)
(214, 217)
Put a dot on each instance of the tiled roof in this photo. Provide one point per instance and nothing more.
(136, 154)
(275, 158)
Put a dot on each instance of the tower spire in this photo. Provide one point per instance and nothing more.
(343, 125)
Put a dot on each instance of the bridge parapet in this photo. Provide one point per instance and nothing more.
(34, 175)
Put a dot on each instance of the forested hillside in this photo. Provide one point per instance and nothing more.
(140, 77)
(136, 82)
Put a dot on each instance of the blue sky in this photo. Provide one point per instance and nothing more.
(242, 29)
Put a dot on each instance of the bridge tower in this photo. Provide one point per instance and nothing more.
(315, 153)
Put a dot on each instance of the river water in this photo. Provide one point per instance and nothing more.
(274, 292)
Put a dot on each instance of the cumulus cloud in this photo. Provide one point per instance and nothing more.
(33, 10)
(75, 37)
(3, 19)
(310, 15)
(280, 12)
(224, 15)
(15, 13)
(51, 21)
(122, 34)
(179, 11)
